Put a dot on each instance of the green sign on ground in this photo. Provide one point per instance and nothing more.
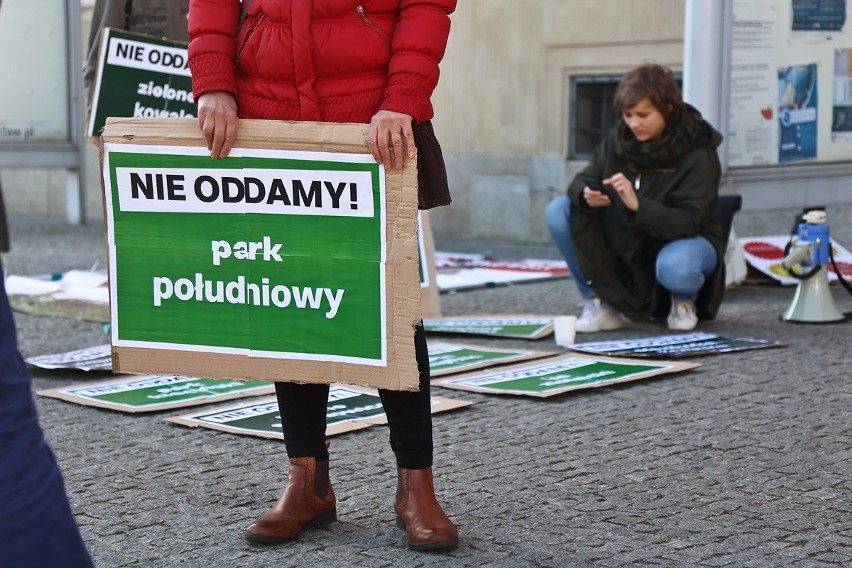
(140, 76)
(349, 408)
(448, 358)
(560, 374)
(524, 327)
(157, 392)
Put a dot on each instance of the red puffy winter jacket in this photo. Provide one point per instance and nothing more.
(323, 60)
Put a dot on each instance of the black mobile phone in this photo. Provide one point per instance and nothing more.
(594, 183)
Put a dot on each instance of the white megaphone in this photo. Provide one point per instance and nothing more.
(812, 302)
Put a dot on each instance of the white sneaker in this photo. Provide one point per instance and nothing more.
(682, 316)
(597, 316)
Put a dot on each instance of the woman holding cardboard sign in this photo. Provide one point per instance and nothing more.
(368, 61)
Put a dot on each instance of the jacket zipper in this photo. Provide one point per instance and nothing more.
(249, 34)
(359, 9)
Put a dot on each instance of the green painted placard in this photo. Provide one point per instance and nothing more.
(450, 358)
(157, 392)
(349, 408)
(560, 374)
(524, 327)
(140, 76)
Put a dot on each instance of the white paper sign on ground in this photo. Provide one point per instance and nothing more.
(97, 358)
(766, 253)
(460, 271)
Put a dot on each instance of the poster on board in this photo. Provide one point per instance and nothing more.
(797, 112)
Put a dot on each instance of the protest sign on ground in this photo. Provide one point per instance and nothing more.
(465, 271)
(517, 326)
(561, 374)
(349, 408)
(293, 259)
(453, 358)
(679, 345)
(766, 253)
(156, 392)
(98, 358)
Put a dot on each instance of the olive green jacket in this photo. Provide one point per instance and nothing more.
(617, 248)
(158, 18)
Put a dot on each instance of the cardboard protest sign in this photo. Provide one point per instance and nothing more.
(156, 392)
(349, 408)
(559, 375)
(520, 326)
(98, 358)
(140, 76)
(294, 259)
(673, 346)
(451, 358)
(428, 274)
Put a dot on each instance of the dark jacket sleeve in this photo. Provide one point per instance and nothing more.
(595, 169)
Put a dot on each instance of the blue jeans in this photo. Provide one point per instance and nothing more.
(682, 265)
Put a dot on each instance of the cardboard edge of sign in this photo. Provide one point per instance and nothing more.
(547, 329)
(62, 393)
(439, 404)
(670, 367)
(518, 356)
(403, 294)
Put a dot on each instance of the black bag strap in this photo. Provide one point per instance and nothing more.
(246, 5)
(128, 8)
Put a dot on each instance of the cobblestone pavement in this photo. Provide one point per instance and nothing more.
(743, 462)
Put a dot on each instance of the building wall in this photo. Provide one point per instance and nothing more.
(502, 119)
(502, 115)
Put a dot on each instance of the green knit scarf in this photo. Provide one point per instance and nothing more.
(681, 130)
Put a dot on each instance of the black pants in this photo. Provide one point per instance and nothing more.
(303, 416)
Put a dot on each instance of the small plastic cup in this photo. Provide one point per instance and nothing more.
(563, 330)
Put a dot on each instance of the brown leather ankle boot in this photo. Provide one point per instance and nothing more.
(308, 501)
(419, 513)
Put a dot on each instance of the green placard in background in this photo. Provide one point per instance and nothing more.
(140, 76)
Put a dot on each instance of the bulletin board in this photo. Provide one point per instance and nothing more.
(790, 85)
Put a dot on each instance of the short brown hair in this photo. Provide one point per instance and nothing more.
(651, 81)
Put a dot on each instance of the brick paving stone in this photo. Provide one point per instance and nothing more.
(742, 462)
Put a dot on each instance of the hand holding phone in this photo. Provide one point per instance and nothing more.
(594, 183)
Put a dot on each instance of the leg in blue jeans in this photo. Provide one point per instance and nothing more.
(556, 215)
(684, 264)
